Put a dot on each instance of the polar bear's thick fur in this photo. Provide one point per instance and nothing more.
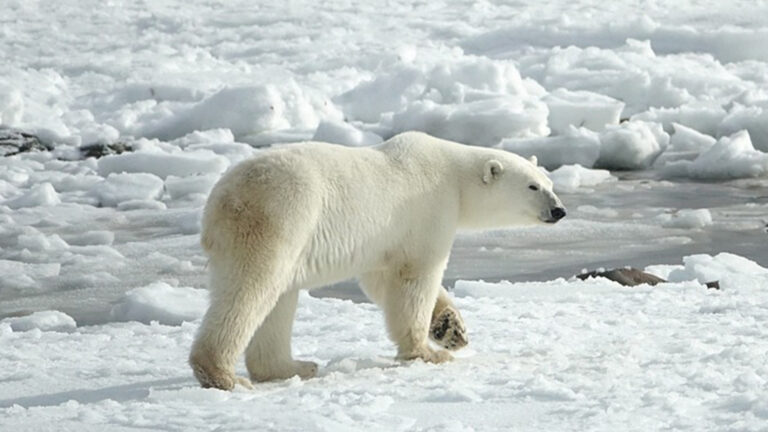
(306, 215)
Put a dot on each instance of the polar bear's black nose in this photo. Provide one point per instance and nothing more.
(557, 213)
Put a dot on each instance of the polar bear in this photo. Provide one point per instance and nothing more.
(310, 214)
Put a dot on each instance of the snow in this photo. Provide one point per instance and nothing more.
(345, 134)
(581, 109)
(119, 188)
(180, 187)
(687, 218)
(672, 356)
(753, 119)
(631, 145)
(685, 144)
(162, 303)
(98, 237)
(22, 276)
(102, 276)
(731, 157)
(576, 146)
(41, 195)
(572, 178)
(162, 164)
(483, 122)
(47, 321)
(733, 269)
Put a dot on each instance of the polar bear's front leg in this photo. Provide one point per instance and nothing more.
(408, 303)
(268, 356)
(447, 328)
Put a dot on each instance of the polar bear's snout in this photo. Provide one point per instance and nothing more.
(553, 210)
(556, 214)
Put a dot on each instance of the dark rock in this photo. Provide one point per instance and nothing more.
(632, 277)
(625, 276)
(13, 142)
(100, 150)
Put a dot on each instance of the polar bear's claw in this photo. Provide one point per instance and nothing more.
(448, 330)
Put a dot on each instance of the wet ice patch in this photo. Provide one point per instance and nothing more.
(161, 302)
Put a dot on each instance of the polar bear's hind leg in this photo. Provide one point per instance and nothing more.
(239, 303)
(268, 356)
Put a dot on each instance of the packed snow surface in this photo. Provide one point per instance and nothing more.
(557, 355)
(102, 278)
(476, 72)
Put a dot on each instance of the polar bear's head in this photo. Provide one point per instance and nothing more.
(508, 190)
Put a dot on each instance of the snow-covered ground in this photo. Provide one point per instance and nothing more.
(105, 251)
(559, 355)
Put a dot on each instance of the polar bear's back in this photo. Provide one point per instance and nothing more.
(342, 208)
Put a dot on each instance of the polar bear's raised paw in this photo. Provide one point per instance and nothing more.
(448, 330)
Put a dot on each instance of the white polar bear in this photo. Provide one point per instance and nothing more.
(311, 214)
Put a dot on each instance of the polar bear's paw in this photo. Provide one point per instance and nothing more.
(302, 369)
(448, 330)
(305, 369)
(212, 376)
(243, 381)
(428, 355)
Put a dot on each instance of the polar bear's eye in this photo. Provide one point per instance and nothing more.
(533, 187)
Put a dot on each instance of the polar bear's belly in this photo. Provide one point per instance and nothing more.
(333, 256)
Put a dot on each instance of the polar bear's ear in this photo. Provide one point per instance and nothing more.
(492, 170)
(534, 160)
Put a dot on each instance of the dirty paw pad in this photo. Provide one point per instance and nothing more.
(448, 330)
